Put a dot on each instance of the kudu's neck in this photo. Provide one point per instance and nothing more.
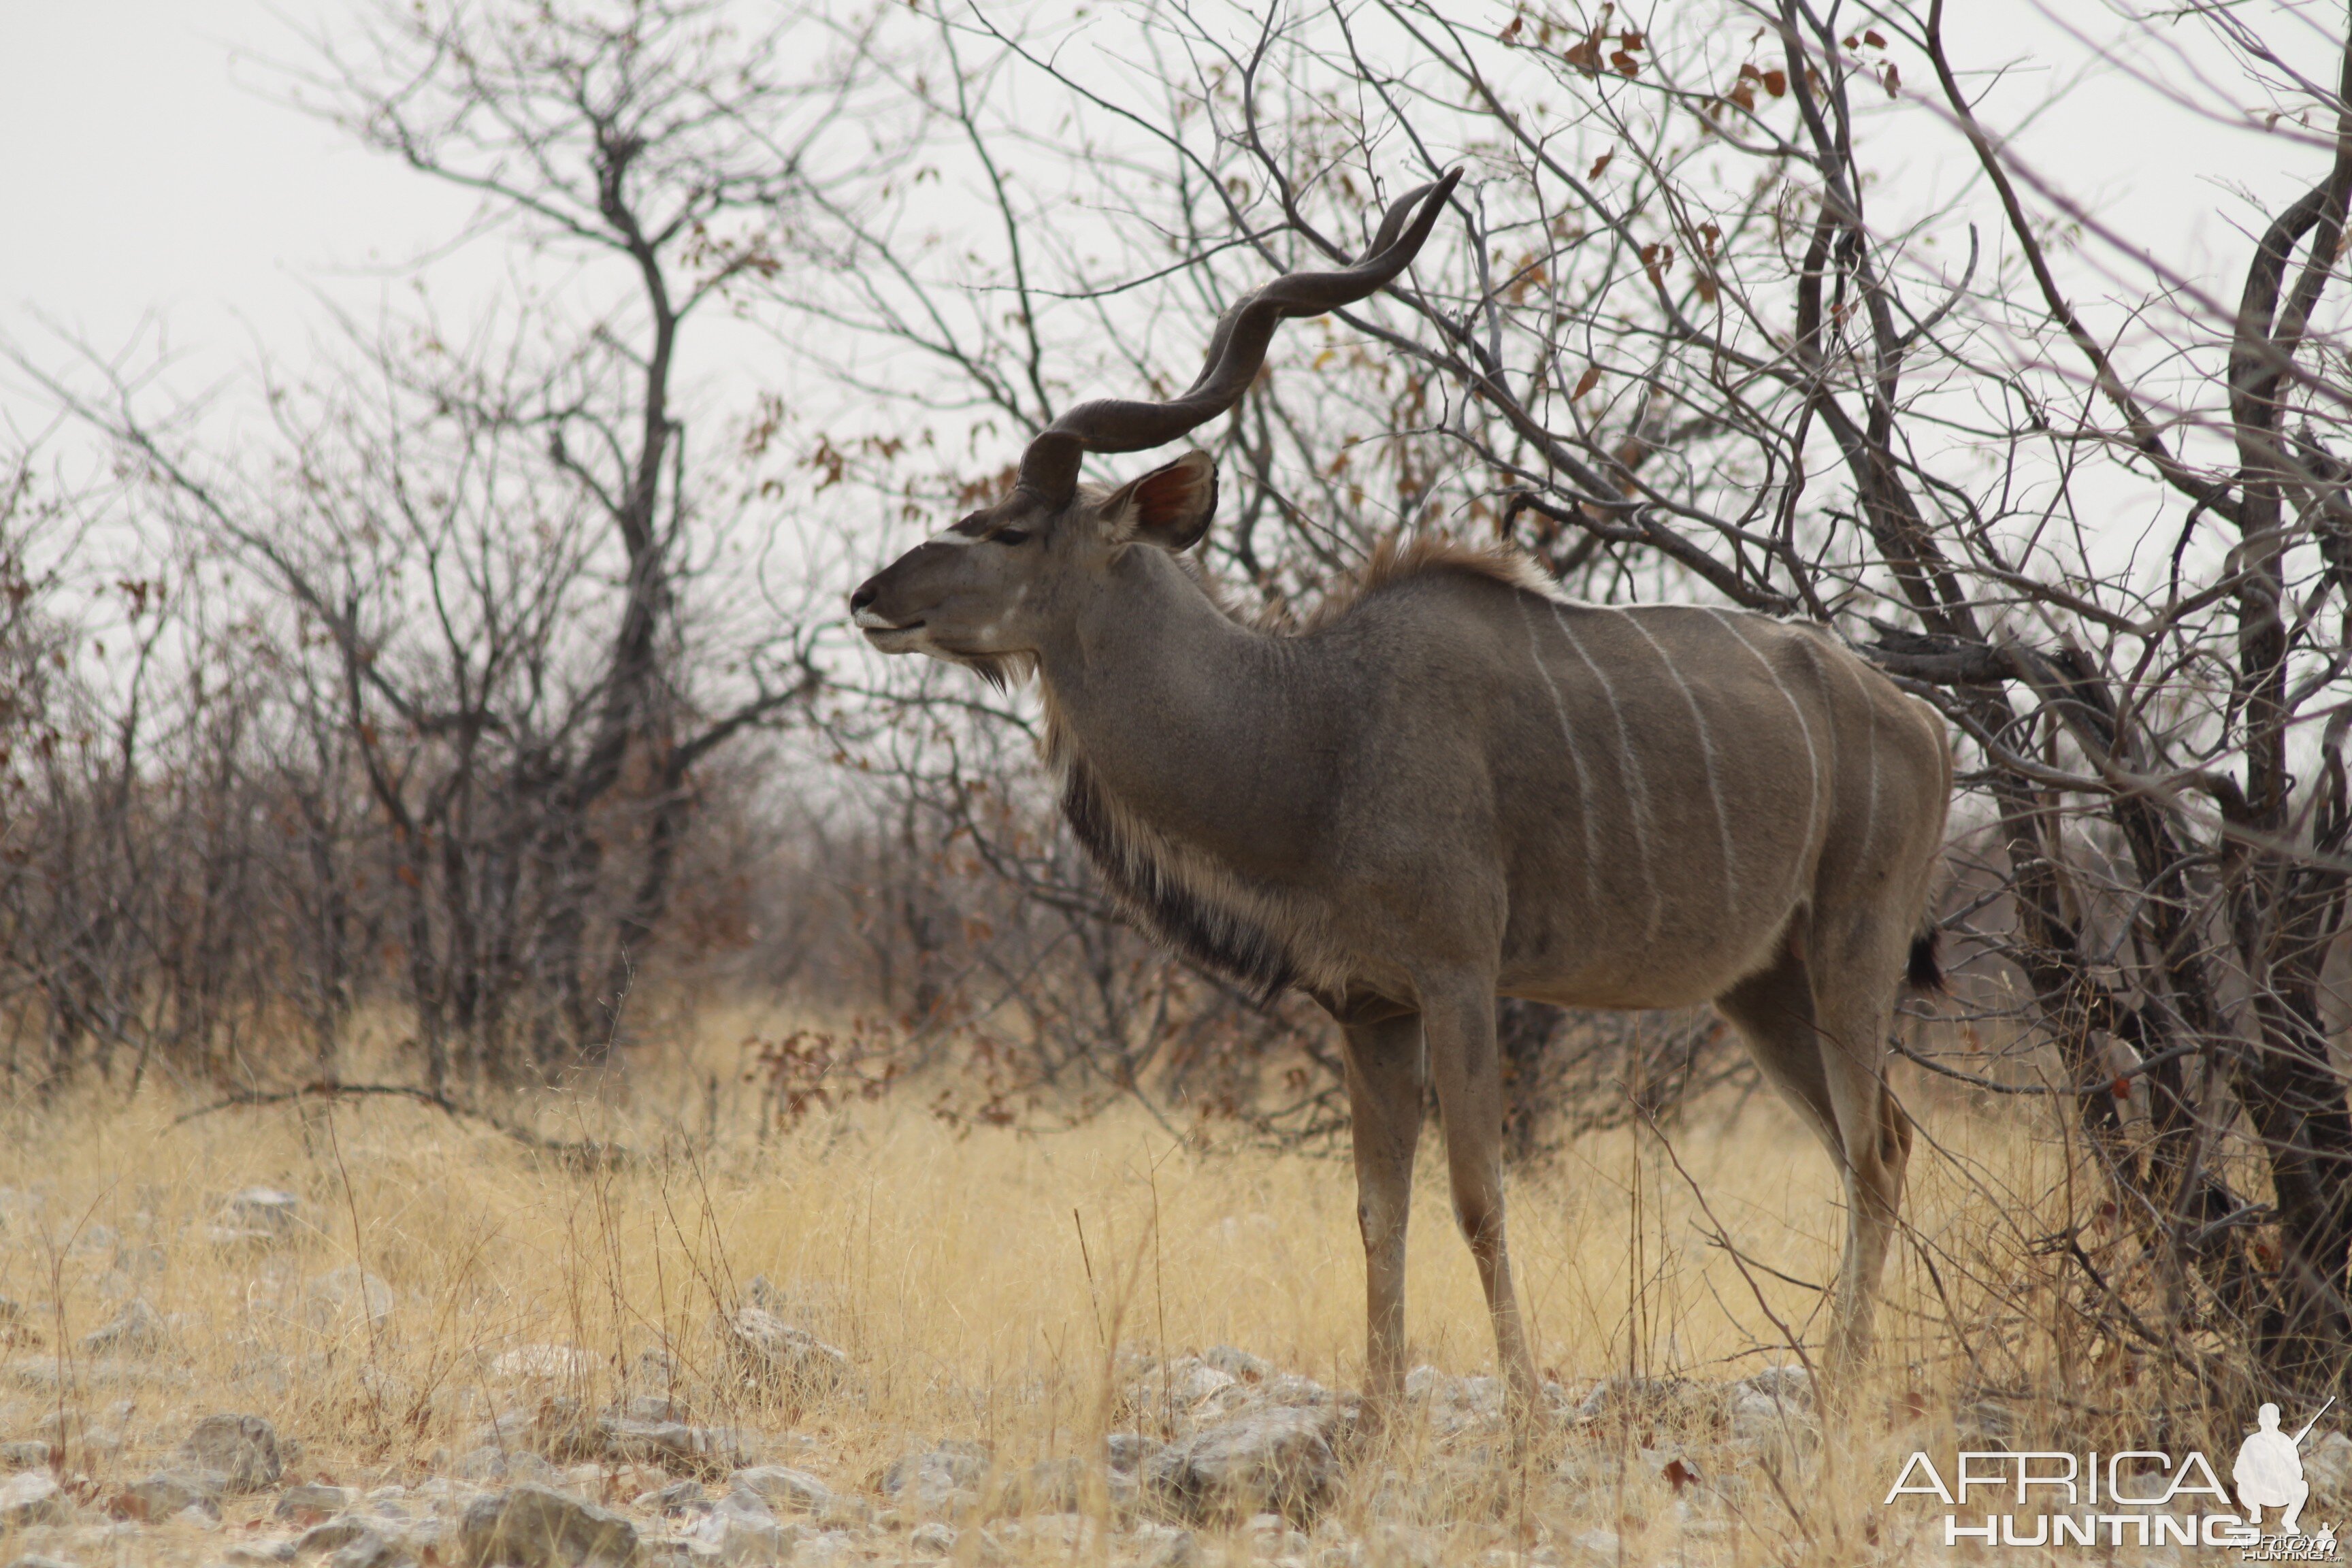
(1197, 724)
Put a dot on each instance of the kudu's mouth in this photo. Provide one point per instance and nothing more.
(891, 636)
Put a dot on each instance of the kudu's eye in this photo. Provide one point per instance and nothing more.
(1010, 536)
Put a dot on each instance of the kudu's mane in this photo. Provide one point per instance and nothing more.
(1396, 560)
(1259, 937)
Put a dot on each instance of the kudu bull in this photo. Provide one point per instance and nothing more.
(1457, 785)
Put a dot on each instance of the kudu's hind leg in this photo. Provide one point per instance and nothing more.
(1774, 1014)
(1855, 973)
(1385, 1077)
(1468, 1072)
(1793, 1029)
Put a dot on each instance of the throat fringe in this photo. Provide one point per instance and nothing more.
(1148, 876)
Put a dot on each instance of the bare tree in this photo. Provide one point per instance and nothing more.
(142, 849)
(1681, 346)
(511, 607)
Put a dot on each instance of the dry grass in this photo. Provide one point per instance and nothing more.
(951, 1265)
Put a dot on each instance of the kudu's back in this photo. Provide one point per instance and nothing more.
(1656, 793)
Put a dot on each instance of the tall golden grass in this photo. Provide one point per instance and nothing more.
(986, 1282)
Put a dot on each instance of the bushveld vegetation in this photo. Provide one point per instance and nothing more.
(460, 791)
(1020, 1291)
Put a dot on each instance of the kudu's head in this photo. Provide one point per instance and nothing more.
(988, 592)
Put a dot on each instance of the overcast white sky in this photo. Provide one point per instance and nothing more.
(149, 173)
(151, 177)
(145, 180)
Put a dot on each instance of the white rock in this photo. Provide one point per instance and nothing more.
(1759, 1419)
(196, 1516)
(1270, 1535)
(33, 1497)
(741, 1528)
(2328, 1466)
(937, 1480)
(171, 1493)
(1599, 1546)
(347, 1298)
(533, 1526)
(1455, 1403)
(1273, 1459)
(243, 1450)
(256, 1553)
(1238, 1364)
(543, 1364)
(779, 1485)
(1171, 1548)
(773, 1352)
(137, 1330)
(1789, 1385)
(1177, 1387)
(257, 1217)
(267, 1206)
(829, 1550)
(1290, 1388)
(1411, 1544)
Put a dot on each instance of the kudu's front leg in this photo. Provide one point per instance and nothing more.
(1386, 1072)
(1460, 1026)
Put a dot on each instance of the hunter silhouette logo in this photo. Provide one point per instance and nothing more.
(2269, 1471)
(2136, 1497)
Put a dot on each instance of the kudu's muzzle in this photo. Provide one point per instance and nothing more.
(890, 607)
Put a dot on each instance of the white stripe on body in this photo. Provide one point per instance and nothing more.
(1576, 757)
(1869, 749)
(1629, 773)
(1706, 754)
(1804, 727)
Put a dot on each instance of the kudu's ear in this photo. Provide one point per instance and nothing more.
(1168, 506)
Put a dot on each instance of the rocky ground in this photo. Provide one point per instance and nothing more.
(1218, 1456)
(1257, 1464)
(243, 1399)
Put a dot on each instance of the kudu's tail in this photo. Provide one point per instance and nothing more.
(1925, 970)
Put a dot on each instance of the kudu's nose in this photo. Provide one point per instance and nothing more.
(863, 596)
